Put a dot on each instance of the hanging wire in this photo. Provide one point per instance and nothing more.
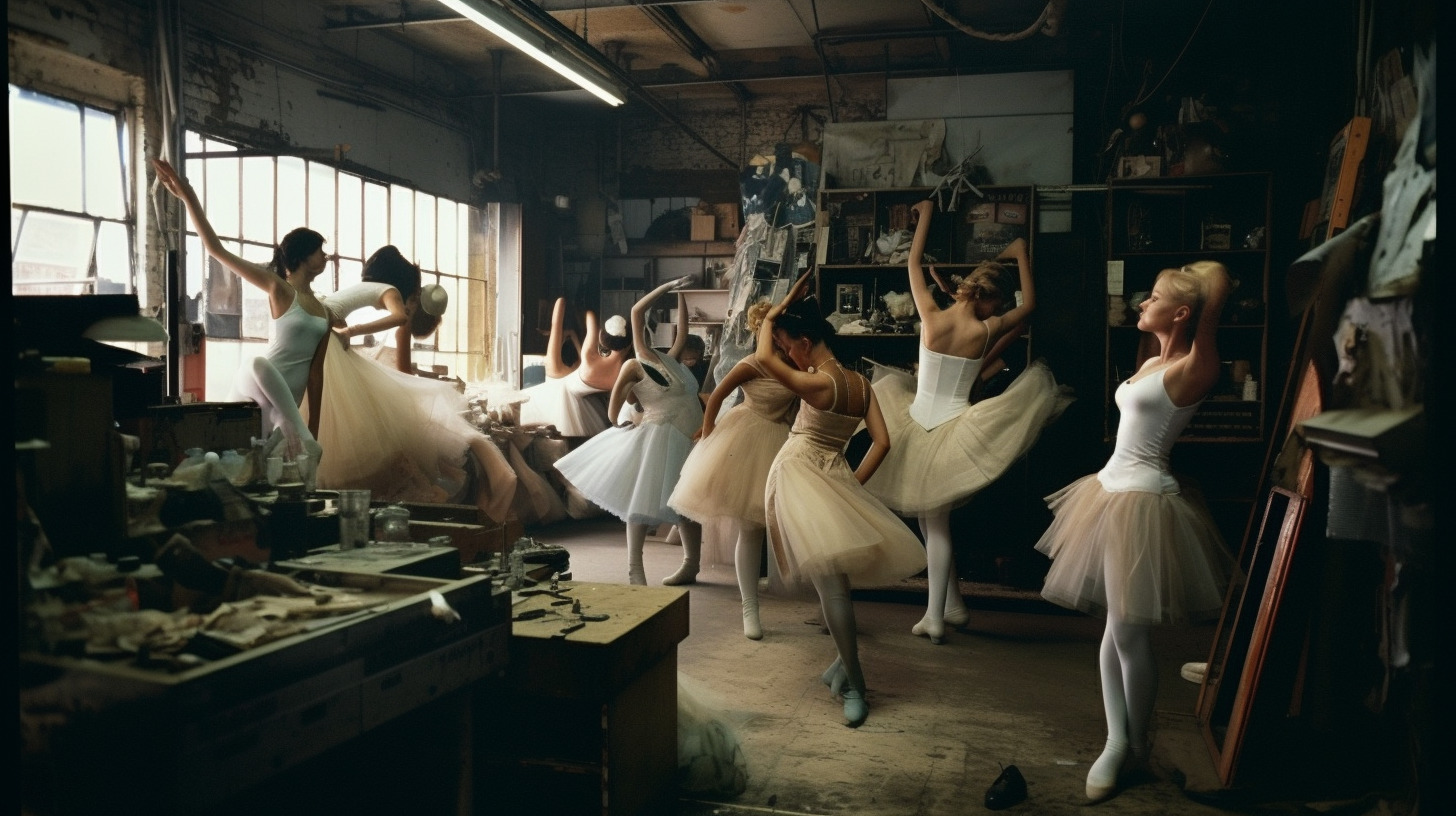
(1145, 97)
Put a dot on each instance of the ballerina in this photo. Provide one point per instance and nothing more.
(725, 474)
(944, 447)
(568, 398)
(630, 470)
(823, 525)
(403, 437)
(278, 379)
(1128, 542)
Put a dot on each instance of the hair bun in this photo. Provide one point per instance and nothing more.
(616, 325)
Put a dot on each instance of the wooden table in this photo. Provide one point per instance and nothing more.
(586, 721)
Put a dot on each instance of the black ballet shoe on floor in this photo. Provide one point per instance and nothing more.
(1008, 789)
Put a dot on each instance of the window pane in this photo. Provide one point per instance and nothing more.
(103, 166)
(350, 272)
(402, 220)
(462, 239)
(445, 237)
(351, 217)
(196, 257)
(376, 217)
(53, 255)
(425, 230)
(291, 195)
(221, 201)
(192, 142)
(446, 337)
(256, 314)
(258, 223)
(45, 151)
(113, 259)
(321, 202)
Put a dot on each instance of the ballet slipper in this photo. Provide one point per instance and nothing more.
(935, 630)
(686, 574)
(1102, 776)
(855, 710)
(636, 576)
(751, 628)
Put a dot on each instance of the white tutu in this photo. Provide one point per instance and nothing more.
(950, 463)
(402, 437)
(631, 471)
(568, 403)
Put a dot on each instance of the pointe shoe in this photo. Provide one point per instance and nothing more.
(636, 576)
(1102, 777)
(751, 628)
(1008, 789)
(835, 676)
(855, 710)
(686, 574)
(957, 617)
(929, 629)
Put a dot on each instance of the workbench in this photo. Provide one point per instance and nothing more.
(586, 721)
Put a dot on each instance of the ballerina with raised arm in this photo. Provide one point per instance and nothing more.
(568, 398)
(724, 476)
(278, 379)
(1129, 542)
(946, 448)
(823, 525)
(631, 470)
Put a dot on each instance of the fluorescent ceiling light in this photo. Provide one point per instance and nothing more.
(503, 24)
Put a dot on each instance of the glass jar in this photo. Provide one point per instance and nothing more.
(391, 525)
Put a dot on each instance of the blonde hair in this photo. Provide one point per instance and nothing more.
(990, 280)
(1188, 285)
(753, 318)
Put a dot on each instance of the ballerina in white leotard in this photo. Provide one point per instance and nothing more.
(278, 379)
(568, 399)
(1126, 542)
(945, 448)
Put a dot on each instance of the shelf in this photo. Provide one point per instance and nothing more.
(1154, 224)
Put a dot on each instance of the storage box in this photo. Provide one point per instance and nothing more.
(704, 227)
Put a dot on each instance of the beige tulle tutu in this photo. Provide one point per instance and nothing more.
(1138, 556)
(950, 463)
(404, 438)
(726, 471)
(821, 521)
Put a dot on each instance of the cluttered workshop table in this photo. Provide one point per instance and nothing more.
(588, 710)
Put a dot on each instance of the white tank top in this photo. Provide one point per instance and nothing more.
(1149, 426)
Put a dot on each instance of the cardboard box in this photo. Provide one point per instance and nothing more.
(704, 227)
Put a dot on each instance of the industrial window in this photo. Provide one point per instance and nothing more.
(72, 221)
(253, 200)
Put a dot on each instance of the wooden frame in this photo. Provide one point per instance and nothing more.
(1342, 174)
(1245, 632)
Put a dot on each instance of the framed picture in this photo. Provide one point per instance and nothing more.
(849, 298)
(1140, 167)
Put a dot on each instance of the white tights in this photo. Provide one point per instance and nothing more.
(838, 610)
(262, 383)
(942, 585)
(692, 543)
(1129, 689)
(748, 560)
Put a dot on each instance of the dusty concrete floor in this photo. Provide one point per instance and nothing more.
(1017, 686)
